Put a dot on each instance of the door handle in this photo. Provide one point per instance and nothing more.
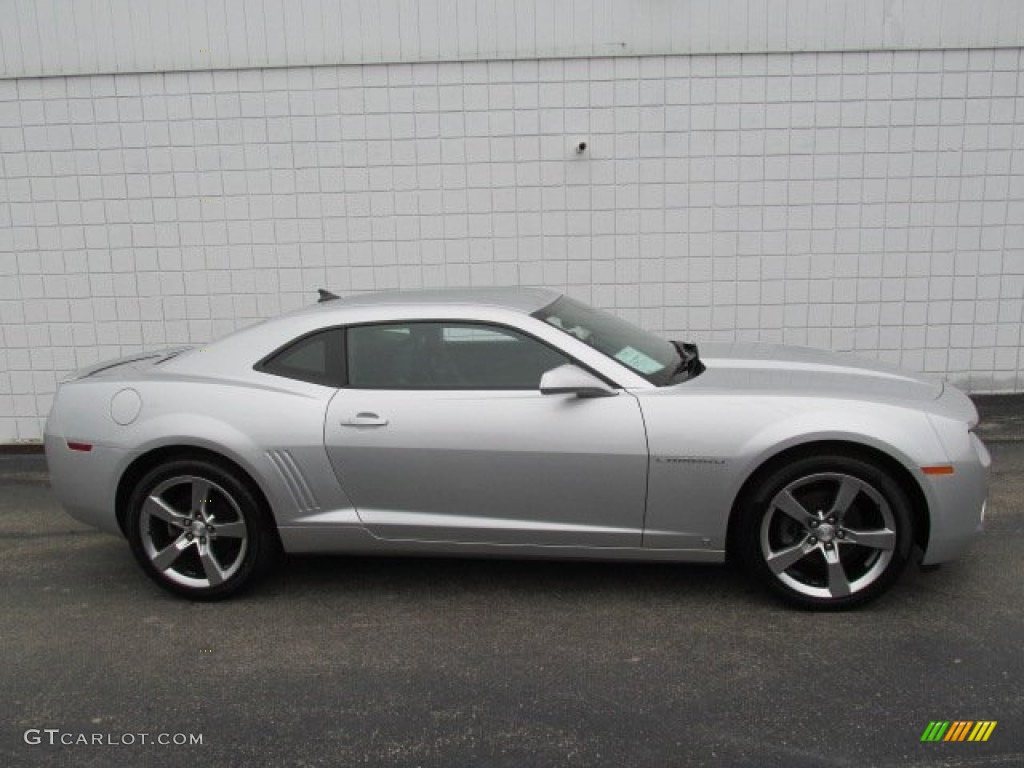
(364, 419)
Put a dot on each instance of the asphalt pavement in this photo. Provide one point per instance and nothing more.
(416, 662)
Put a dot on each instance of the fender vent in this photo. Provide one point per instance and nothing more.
(294, 480)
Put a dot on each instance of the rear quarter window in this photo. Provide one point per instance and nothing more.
(318, 358)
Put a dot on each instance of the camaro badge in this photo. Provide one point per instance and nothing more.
(688, 460)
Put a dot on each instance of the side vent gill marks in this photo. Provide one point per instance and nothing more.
(294, 480)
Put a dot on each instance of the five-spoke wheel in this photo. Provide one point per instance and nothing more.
(828, 531)
(197, 529)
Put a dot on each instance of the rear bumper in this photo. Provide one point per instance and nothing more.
(83, 481)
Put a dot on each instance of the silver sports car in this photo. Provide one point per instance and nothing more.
(516, 423)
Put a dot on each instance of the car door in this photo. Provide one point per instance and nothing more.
(443, 435)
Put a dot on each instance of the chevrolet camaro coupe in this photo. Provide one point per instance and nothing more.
(516, 422)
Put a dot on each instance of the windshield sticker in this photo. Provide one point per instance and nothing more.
(638, 361)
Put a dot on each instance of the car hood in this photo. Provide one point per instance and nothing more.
(774, 368)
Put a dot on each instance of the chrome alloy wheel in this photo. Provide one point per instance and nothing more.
(193, 531)
(828, 535)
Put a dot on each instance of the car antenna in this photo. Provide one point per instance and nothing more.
(326, 296)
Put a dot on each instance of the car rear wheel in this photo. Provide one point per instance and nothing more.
(826, 532)
(198, 530)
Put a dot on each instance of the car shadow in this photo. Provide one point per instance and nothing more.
(490, 577)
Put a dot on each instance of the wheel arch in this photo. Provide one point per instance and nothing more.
(920, 517)
(143, 463)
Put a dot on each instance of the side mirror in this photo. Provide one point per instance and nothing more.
(571, 380)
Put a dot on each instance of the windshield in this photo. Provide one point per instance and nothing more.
(648, 355)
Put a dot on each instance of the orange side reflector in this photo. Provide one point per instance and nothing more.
(942, 469)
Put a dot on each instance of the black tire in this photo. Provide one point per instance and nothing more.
(849, 511)
(199, 530)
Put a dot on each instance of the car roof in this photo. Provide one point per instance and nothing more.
(383, 304)
(519, 299)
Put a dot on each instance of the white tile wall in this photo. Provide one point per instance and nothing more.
(858, 201)
(78, 37)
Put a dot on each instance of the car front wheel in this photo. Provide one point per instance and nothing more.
(827, 532)
(198, 530)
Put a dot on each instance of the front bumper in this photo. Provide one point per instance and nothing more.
(957, 501)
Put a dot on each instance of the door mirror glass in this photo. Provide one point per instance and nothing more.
(571, 380)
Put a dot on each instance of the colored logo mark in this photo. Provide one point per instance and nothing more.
(958, 730)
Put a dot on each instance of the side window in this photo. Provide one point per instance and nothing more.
(446, 355)
(318, 358)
